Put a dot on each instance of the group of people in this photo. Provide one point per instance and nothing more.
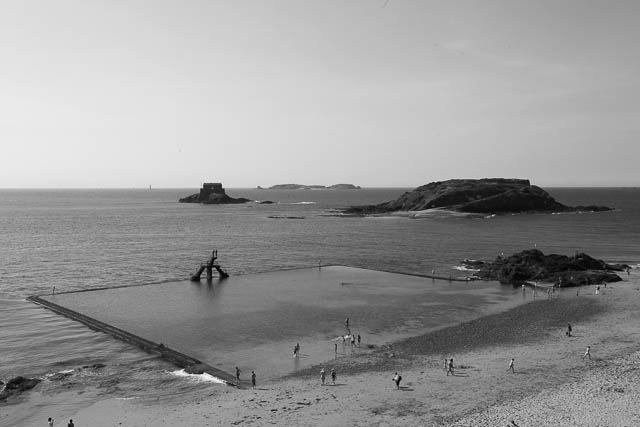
(253, 377)
(50, 423)
(323, 376)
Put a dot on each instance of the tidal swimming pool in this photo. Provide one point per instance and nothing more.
(253, 321)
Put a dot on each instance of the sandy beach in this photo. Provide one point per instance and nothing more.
(552, 384)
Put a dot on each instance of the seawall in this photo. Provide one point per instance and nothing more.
(179, 359)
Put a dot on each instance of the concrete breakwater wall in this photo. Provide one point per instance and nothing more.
(190, 364)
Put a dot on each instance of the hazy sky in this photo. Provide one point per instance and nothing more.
(375, 93)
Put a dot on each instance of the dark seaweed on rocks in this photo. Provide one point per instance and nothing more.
(563, 271)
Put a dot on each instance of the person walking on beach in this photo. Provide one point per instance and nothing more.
(71, 424)
(598, 290)
(396, 379)
(510, 368)
(587, 352)
(333, 376)
(450, 367)
(238, 374)
(323, 375)
(50, 422)
(359, 340)
(353, 341)
(253, 379)
(568, 329)
(335, 348)
(446, 364)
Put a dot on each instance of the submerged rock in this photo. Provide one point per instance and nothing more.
(563, 271)
(18, 385)
(478, 196)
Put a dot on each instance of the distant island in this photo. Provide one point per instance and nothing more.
(477, 196)
(561, 270)
(212, 194)
(310, 187)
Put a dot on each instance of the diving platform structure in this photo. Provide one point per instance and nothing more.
(209, 266)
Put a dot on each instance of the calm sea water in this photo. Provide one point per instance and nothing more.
(83, 239)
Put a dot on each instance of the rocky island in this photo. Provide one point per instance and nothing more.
(533, 265)
(476, 196)
(212, 194)
(310, 187)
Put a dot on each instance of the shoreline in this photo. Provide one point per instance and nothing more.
(548, 365)
(487, 331)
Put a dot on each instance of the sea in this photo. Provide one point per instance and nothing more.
(83, 239)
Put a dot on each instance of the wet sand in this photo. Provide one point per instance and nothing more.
(552, 384)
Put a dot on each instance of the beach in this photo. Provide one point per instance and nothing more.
(552, 384)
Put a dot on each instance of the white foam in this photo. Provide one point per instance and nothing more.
(463, 268)
(198, 377)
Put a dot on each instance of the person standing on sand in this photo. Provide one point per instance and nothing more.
(568, 329)
(510, 368)
(253, 379)
(238, 374)
(450, 367)
(396, 379)
(50, 422)
(587, 352)
(322, 375)
(333, 376)
(71, 424)
(359, 340)
(335, 348)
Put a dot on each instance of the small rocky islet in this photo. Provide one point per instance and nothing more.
(212, 193)
(487, 196)
(310, 187)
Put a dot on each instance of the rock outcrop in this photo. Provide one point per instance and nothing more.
(534, 266)
(212, 194)
(477, 196)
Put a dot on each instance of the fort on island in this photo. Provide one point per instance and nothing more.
(212, 193)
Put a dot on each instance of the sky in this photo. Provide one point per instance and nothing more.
(378, 93)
